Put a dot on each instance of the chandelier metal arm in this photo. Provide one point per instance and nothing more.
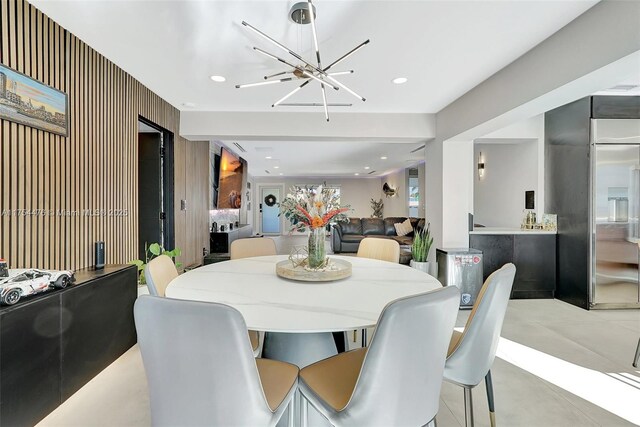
(269, 82)
(346, 88)
(340, 73)
(324, 101)
(302, 70)
(289, 51)
(281, 100)
(346, 55)
(315, 42)
(315, 34)
(278, 74)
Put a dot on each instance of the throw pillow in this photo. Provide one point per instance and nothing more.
(403, 228)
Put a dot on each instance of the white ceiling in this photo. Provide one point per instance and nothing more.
(327, 158)
(444, 48)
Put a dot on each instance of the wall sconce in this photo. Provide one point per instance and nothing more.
(480, 166)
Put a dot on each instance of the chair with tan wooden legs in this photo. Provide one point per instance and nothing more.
(471, 353)
(382, 249)
(247, 248)
(396, 381)
(158, 273)
(200, 368)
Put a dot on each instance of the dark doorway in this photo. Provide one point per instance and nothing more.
(155, 186)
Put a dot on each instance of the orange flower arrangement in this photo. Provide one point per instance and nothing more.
(313, 208)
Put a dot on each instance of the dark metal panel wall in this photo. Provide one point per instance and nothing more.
(567, 181)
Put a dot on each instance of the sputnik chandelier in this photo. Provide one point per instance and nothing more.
(304, 13)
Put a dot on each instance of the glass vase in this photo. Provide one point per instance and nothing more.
(316, 249)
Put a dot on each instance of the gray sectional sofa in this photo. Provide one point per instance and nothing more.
(346, 236)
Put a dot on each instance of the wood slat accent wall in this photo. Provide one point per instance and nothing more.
(60, 195)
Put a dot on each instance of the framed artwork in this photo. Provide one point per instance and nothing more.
(27, 101)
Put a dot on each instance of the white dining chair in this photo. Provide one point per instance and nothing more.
(247, 248)
(396, 381)
(201, 370)
(251, 247)
(158, 273)
(381, 249)
(471, 353)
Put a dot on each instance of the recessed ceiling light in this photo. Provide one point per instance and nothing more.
(383, 158)
(399, 80)
(218, 79)
(276, 167)
(367, 168)
(268, 157)
(188, 104)
(356, 173)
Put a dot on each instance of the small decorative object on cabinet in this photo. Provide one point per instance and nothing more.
(32, 281)
(4, 271)
(420, 248)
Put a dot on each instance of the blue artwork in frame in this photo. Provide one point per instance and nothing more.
(27, 101)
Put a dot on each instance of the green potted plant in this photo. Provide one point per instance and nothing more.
(420, 248)
(151, 251)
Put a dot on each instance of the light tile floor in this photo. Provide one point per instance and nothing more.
(556, 366)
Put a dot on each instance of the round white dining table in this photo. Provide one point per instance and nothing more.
(273, 304)
(299, 316)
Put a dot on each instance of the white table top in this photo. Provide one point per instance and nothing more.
(271, 303)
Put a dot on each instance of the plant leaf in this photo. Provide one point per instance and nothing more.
(155, 249)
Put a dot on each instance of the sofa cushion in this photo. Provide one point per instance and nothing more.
(389, 224)
(352, 238)
(354, 226)
(372, 226)
(403, 240)
(403, 228)
(420, 225)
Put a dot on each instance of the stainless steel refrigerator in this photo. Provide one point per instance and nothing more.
(615, 212)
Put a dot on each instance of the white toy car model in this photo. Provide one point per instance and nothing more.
(32, 281)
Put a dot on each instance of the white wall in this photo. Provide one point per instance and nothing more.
(510, 170)
(457, 185)
(397, 205)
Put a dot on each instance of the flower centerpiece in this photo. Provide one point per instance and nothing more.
(312, 209)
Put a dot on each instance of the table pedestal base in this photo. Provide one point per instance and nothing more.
(301, 350)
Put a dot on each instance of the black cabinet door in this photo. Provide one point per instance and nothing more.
(535, 259)
(497, 250)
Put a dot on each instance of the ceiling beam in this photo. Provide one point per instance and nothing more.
(196, 125)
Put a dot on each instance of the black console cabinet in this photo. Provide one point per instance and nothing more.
(54, 343)
(534, 256)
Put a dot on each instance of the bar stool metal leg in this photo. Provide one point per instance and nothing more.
(468, 407)
(637, 358)
(492, 409)
(364, 338)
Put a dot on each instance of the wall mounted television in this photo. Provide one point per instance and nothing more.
(230, 181)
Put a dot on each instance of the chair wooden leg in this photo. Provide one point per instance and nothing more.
(492, 409)
(468, 407)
